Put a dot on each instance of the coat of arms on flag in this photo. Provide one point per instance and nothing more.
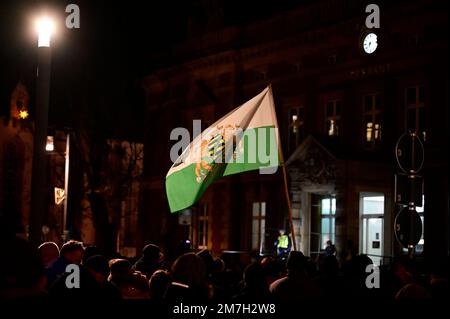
(243, 140)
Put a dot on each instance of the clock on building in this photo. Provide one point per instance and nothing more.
(370, 43)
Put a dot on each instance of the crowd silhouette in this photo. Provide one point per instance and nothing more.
(199, 277)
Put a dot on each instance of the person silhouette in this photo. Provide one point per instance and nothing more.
(330, 250)
(283, 244)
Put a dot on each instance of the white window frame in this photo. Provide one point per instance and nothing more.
(259, 216)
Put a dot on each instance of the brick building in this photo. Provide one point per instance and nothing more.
(340, 111)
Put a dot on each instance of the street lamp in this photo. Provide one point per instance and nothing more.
(23, 114)
(66, 187)
(50, 145)
(62, 194)
(45, 29)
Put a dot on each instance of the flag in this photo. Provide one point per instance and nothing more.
(243, 140)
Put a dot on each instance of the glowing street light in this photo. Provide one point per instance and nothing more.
(45, 28)
(23, 114)
(50, 147)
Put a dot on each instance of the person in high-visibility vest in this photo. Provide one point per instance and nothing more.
(283, 244)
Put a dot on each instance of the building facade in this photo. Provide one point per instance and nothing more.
(340, 112)
(119, 187)
(16, 153)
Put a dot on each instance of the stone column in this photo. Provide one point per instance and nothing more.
(341, 190)
(306, 223)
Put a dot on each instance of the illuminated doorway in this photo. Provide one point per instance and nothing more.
(372, 224)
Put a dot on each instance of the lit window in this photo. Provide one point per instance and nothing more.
(327, 212)
(333, 117)
(372, 119)
(296, 128)
(377, 131)
(369, 129)
(294, 122)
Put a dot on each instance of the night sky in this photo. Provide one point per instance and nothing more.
(96, 69)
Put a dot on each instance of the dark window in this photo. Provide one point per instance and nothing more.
(411, 119)
(411, 95)
(415, 110)
(330, 109)
(368, 103)
(421, 94)
(338, 107)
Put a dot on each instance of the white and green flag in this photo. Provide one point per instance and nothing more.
(245, 139)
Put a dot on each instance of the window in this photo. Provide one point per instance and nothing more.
(372, 120)
(296, 127)
(415, 110)
(333, 117)
(258, 225)
(372, 220)
(327, 219)
(201, 227)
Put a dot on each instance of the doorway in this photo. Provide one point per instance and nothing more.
(372, 225)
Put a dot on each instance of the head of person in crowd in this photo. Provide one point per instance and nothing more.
(159, 284)
(207, 259)
(271, 271)
(98, 267)
(296, 263)
(189, 269)
(266, 261)
(411, 292)
(150, 261)
(218, 266)
(72, 252)
(49, 253)
(90, 251)
(132, 284)
(152, 253)
(119, 268)
(401, 270)
(254, 277)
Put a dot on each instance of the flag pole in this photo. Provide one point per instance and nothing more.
(286, 190)
(283, 167)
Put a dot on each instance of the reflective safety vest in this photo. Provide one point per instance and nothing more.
(283, 241)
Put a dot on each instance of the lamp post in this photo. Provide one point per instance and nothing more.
(62, 195)
(66, 187)
(45, 27)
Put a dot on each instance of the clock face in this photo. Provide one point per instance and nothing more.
(370, 43)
